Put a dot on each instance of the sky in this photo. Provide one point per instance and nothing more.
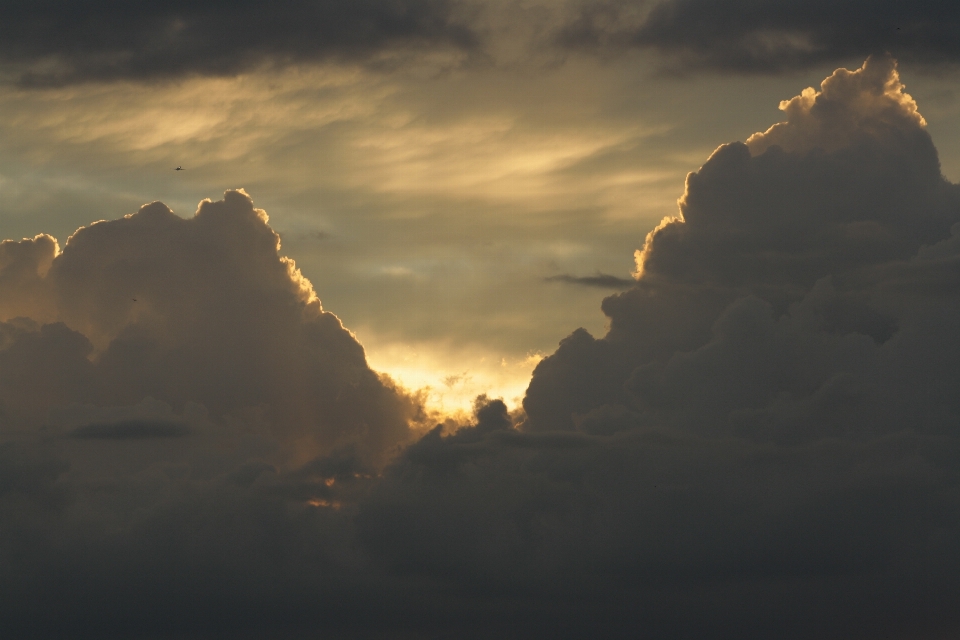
(476, 318)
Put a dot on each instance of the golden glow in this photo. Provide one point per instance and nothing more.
(453, 378)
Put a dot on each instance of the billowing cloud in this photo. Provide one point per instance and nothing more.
(769, 36)
(763, 445)
(61, 41)
(811, 234)
(200, 310)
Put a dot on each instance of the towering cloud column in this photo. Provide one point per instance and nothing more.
(791, 274)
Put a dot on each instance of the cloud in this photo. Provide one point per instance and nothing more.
(60, 41)
(766, 37)
(130, 429)
(601, 280)
(851, 106)
(789, 244)
(200, 310)
(813, 538)
(764, 444)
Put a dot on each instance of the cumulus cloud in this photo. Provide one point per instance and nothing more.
(766, 37)
(62, 41)
(764, 444)
(790, 244)
(851, 106)
(200, 310)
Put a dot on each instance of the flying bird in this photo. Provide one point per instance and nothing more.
(179, 169)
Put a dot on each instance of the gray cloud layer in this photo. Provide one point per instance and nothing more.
(53, 42)
(768, 36)
(765, 444)
(57, 41)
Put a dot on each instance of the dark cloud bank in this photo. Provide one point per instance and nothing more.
(55, 42)
(62, 41)
(763, 36)
(766, 444)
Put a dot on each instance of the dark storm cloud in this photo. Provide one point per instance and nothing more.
(61, 41)
(768, 36)
(601, 280)
(764, 445)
